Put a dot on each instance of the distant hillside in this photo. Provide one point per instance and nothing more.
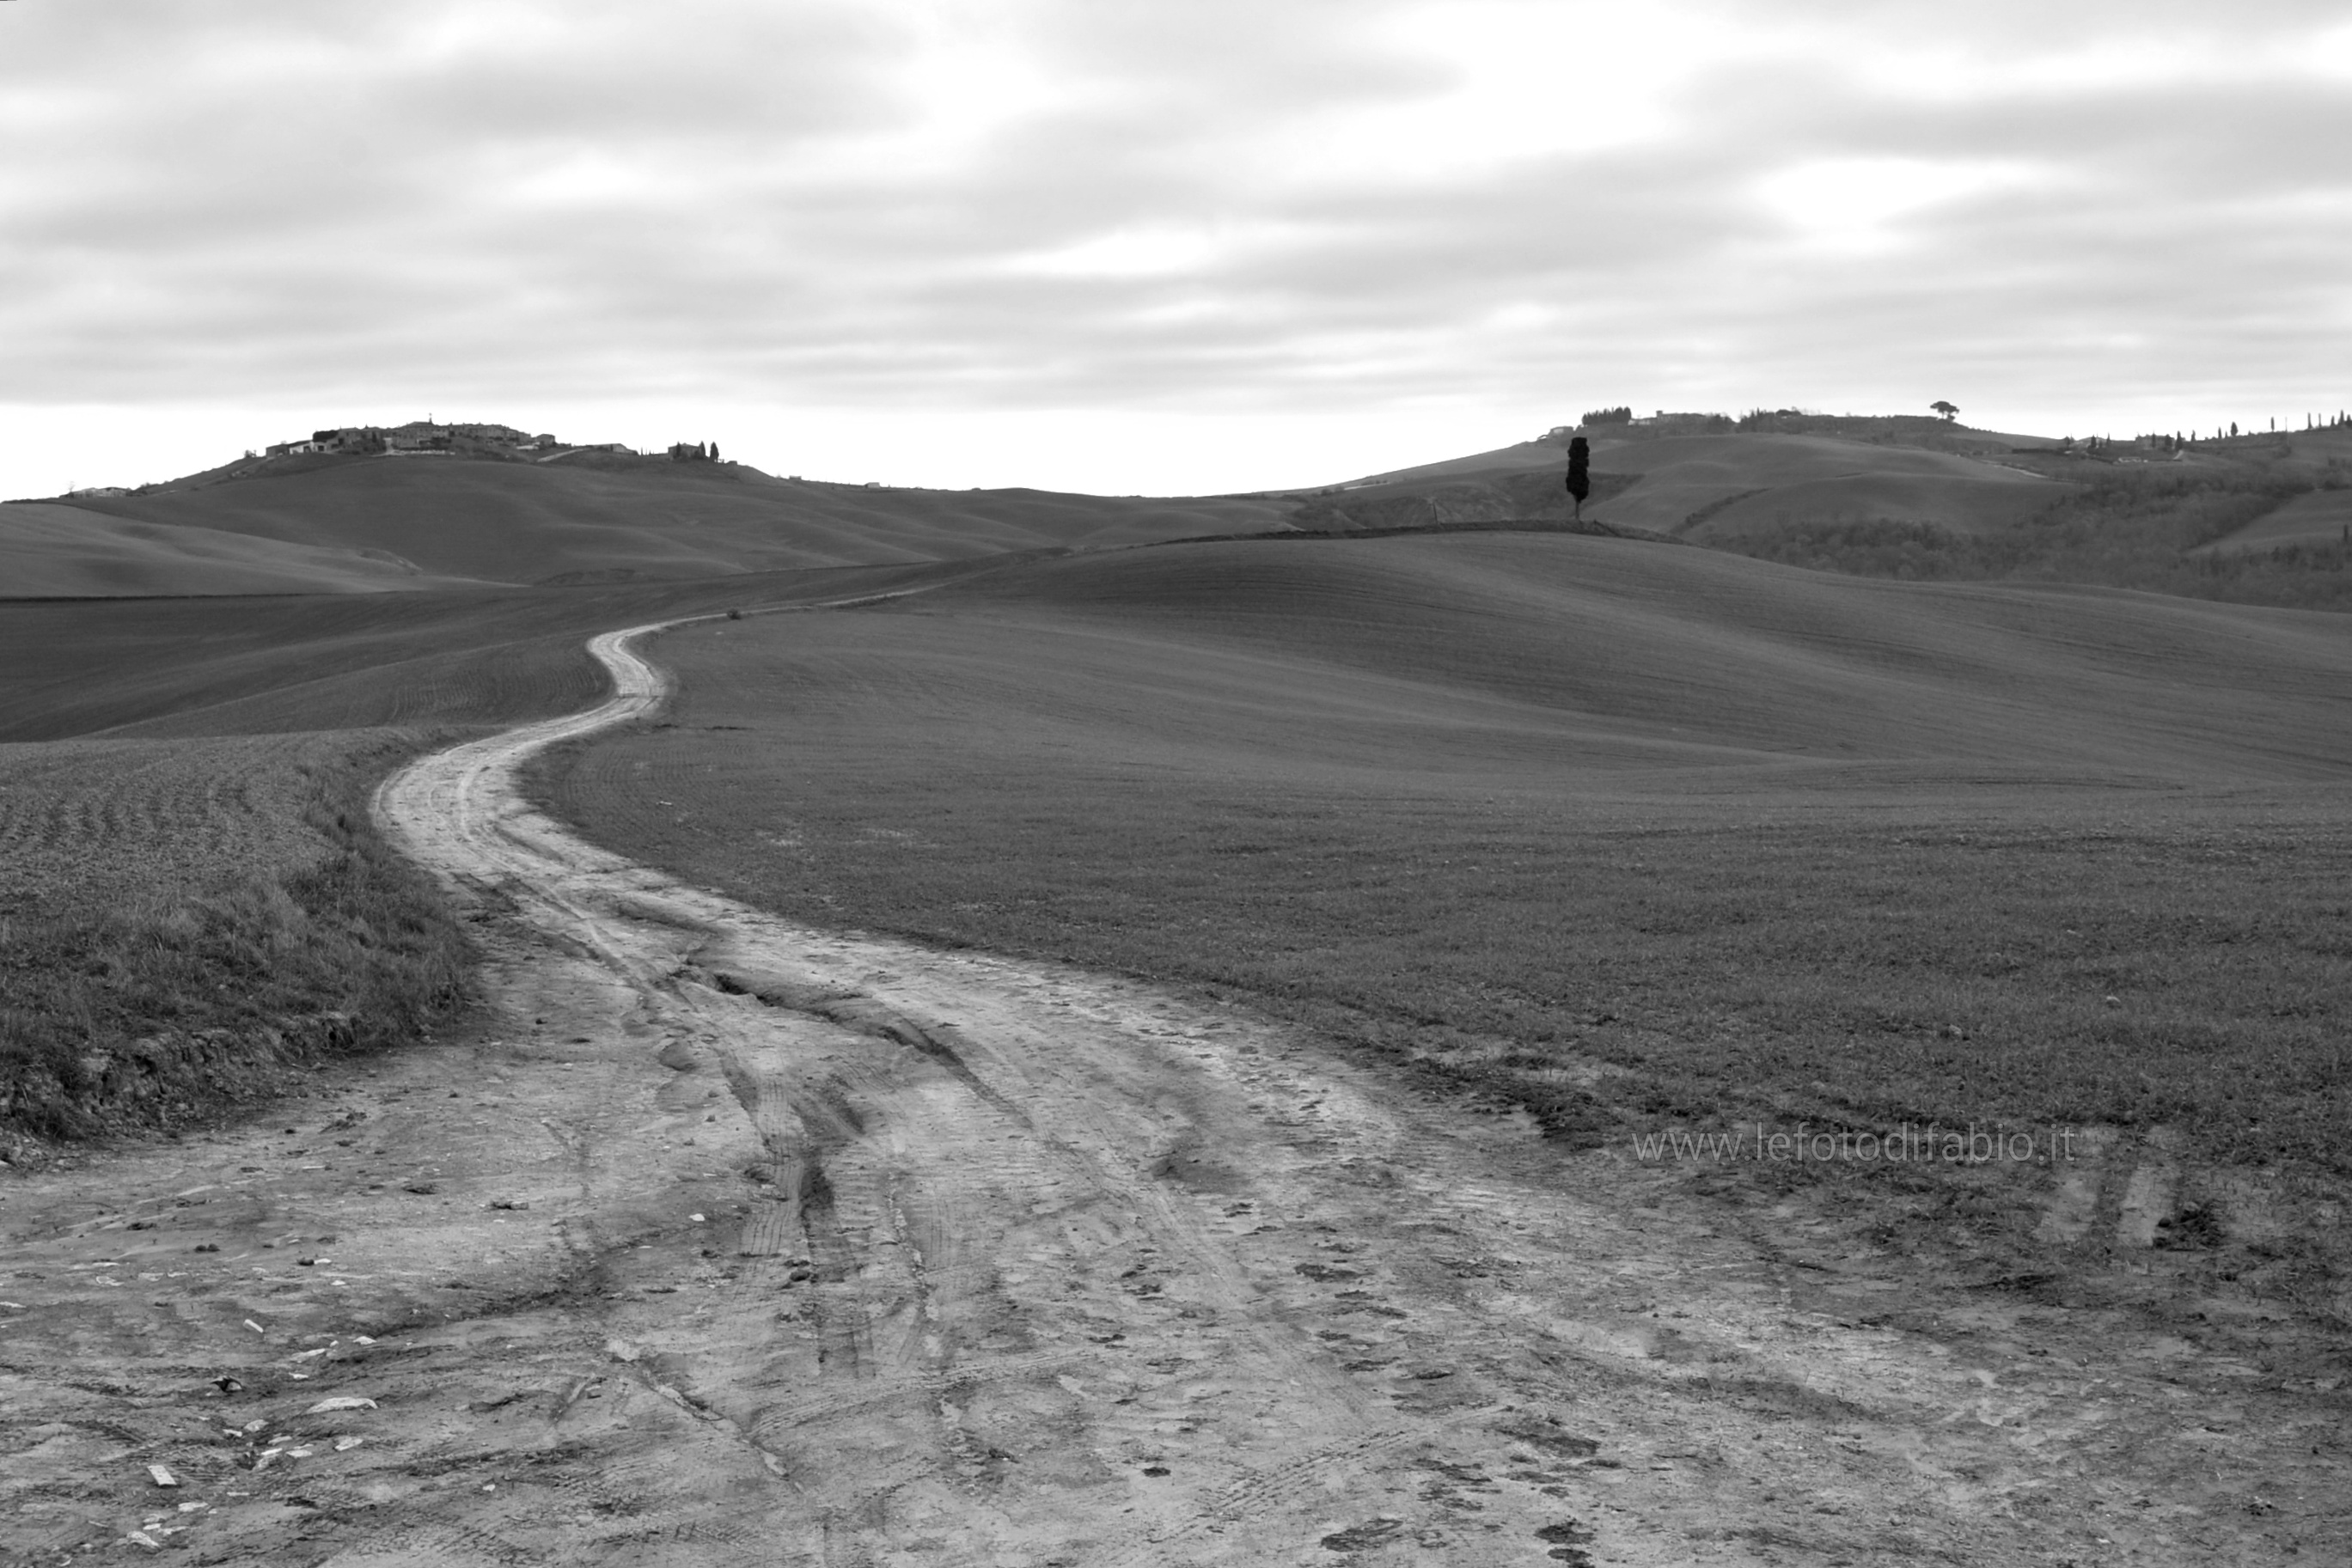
(49, 550)
(1595, 655)
(198, 665)
(2255, 520)
(1713, 489)
(1709, 487)
(604, 517)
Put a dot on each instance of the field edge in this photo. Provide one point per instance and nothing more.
(147, 1020)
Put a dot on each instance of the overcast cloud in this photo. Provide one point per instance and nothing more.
(1161, 244)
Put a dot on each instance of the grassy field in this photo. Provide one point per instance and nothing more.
(186, 923)
(1641, 836)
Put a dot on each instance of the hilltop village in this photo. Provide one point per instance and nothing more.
(426, 438)
(1939, 431)
(418, 438)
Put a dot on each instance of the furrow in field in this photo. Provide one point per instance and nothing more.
(100, 825)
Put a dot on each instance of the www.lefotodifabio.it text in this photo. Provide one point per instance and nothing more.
(1906, 1145)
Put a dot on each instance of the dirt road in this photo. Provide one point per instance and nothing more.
(746, 1243)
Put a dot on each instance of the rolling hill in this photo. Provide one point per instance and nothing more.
(49, 550)
(1709, 488)
(327, 523)
(2254, 519)
(600, 517)
(1909, 497)
(1535, 654)
(191, 666)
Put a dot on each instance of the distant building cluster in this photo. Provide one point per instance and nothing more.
(430, 438)
(1664, 422)
(1805, 421)
(421, 438)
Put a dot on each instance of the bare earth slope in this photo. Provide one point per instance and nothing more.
(51, 551)
(529, 522)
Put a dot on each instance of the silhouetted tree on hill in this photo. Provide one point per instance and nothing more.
(1579, 479)
(1946, 409)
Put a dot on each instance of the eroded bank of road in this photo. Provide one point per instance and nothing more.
(752, 1243)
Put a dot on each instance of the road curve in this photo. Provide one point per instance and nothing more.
(939, 1257)
(992, 1278)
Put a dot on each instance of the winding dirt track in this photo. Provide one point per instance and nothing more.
(754, 1244)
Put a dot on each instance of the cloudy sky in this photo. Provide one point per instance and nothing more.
(1153, 245)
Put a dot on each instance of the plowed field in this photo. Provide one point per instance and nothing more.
(91, 825)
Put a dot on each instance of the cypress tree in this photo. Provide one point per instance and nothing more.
(1580, 480)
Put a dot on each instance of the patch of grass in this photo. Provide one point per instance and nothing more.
(2003, 964)
(148, 1009)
